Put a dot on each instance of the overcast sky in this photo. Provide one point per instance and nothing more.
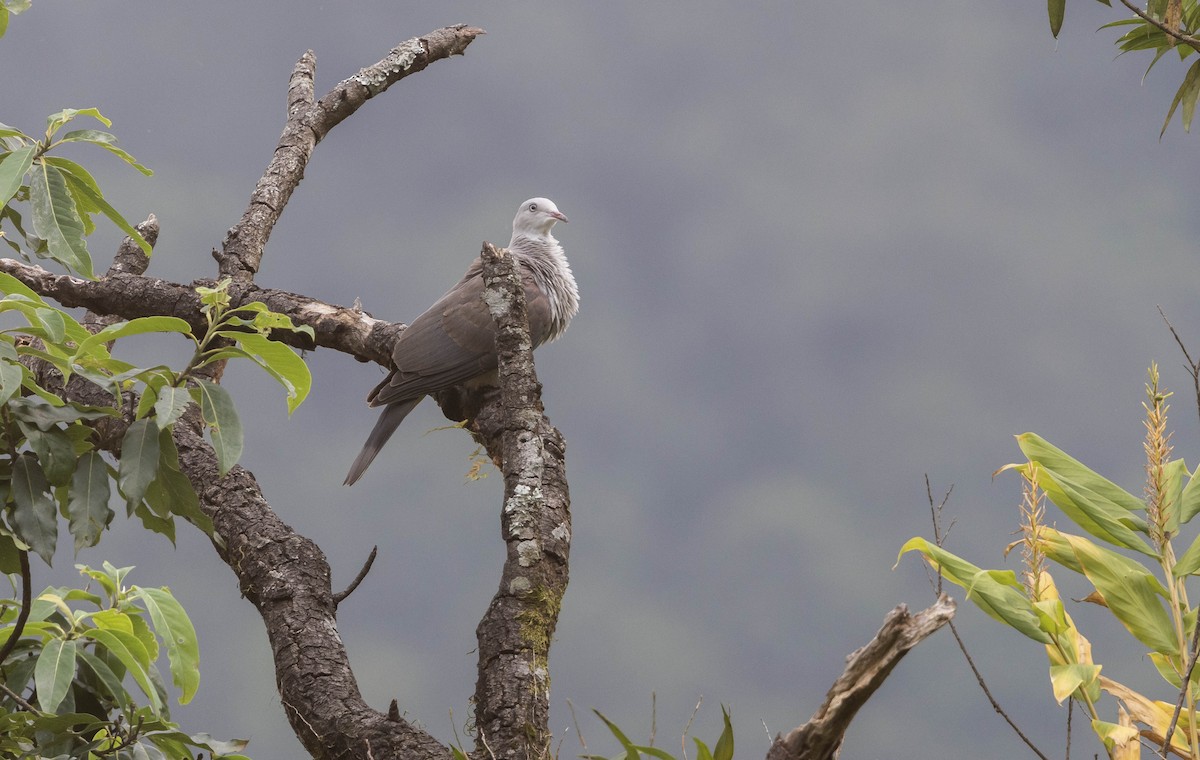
(823, 250)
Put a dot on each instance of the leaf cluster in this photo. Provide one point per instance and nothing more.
(62, 195)
(66, 679)
(1145, 593)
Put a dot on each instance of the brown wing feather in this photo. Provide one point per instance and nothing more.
(454, 340)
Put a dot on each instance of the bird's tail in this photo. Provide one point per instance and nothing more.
(389, 420)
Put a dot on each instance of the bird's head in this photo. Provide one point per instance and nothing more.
(536, 216)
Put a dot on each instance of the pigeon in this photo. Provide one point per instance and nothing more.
(454, 341)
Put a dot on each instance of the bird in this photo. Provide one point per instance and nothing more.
(453, 342)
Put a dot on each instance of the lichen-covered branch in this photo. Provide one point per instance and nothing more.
(866, 669)
(308, 122)
(512, 692)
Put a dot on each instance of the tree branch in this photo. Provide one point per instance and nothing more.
(866, 669)
(512, 692)
(23, 614)
(309, 122)
(1175, 34)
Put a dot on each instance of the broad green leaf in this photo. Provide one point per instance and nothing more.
(172, 492)
(56, 220)
(12, 286)
(1189, 501)
(3, 20)
(86, 193)
(998, 593)
(176, 631)
(106, 141)
(1057, 547)
(114, 620)
(1059, 463)
(130, 653)
(112, 684)
(1067, 679)
(54, 672)
(87, 507)
(702, 751)
(1056, 9)
(139, 460)
(1173, 473)
(55, 452)
(170, 405)
(1114, 735)
(1093, 512)
(1130, 596)
(152, 522)
(216, 405)
(281, 362)
(10, 558)
(137, 326)
(45, 414)
(13, 168)
(34, 519)
(1189, 562)
(11, 375)
(1186, 94)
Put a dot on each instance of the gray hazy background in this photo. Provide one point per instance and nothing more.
(823, 250)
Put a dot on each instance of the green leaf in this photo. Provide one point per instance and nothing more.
(54, 672)
(139, 460)
(1130, 595)
(1069, 679)
(281, 362)
(216, 405)
(87, 507)
(34, 519)
(106, 141)
(1186, 94)
(172, 492)
(112, 684)
(1172, 484)
(1093, 512)
(170, 405)
(724, 748)
(138, 326)
(995, 592)
(176, 631)
(1189, 501)
(45, 415)
(11, 376)
(13, 168)
(84, 190)
(55, 120)
(56, 220)
(1113, 734)
(1056, 9)
(1060, 547)
(152, 522)
(702, 751)
(1057, 462)
(130, 653)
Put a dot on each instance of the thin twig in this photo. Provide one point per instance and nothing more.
(26, 603)
(366, 568)
(653, 716)
(939, 535)
(17, 698)
(1070, 712)
(688, 727)
(1194, 368)
(575, 720)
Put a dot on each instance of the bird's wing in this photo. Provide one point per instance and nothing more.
(454, 340)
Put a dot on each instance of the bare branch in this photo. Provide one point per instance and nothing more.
(26, 602)
(339, 597)
(866, 669)
(309, 122)
(1175, 34)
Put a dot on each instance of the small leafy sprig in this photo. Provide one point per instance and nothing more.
(62, 195)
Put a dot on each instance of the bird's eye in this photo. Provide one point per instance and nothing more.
(533, 207)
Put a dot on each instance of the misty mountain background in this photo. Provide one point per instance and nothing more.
(823, 250)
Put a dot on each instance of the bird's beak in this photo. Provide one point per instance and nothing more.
(560, 216)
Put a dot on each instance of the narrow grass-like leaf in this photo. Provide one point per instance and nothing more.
(56, 220)
(54, 672)
(1186, 90)
(216, 405)
(1189, 500)
(1056, 461)
(87, 507)
(13, 168)
(724, 748)
(34, 519)
(139, 459)
(176, 631)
